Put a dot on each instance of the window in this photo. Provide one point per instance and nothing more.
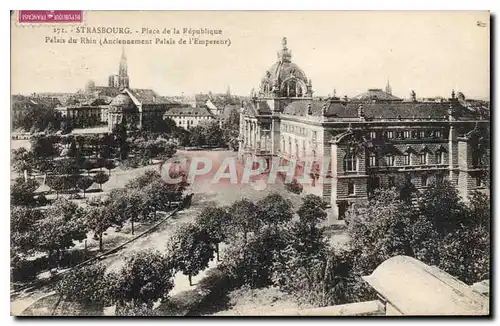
(424, 181)
(389, 160)
(373, 134)
(314, 134)
(406, 134)
(421, 134)
(422, 158)
(372, 160)
(350, 162)
(439, 178)
(438, 133)
(350, 189)
(406, 158)
(439, 157)
(391, 181)
(389, 134)
(479, 182)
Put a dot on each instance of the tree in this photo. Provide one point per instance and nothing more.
(99, 217)
(88, 166)
(440, 203)
(312, 210)
(275, 210)
(294, 187)
(191, 250)
(66, 167)
(214, 220)
(63, 225)
(145, 277)
(101, 178)
(22, 193)
(465, 253)
(249, 261)
(22, 227)
(88, 286)
(143, 180)
(56, 183)
(45, 166)
(244, 218)
(127, 205)
(379, 229)
(231, 130)
(84, 183)
(22, 160)
(109, 165)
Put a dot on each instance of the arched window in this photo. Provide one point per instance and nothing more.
(292, 88)
(350, 163)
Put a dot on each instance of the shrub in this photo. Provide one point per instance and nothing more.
(294, 187)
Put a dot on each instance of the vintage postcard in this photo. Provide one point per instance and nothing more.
(250, 163)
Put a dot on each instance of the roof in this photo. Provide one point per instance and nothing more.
(377, 110)
(103, 91)
(188, 111)
(376, 94)
(148, 96)
(122, 101)
(414, 288)
(256, 108)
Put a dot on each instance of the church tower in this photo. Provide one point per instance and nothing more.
(123, 80)
(388, 88)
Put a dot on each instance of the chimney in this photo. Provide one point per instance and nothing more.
(325, 108)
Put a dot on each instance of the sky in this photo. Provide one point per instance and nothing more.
(429, 52)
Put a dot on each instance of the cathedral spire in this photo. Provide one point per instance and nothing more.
(388, 88)
(122, 71)
(123, 80)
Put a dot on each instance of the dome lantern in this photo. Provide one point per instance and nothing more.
(284, 55)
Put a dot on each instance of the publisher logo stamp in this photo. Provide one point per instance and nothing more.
(50, 16)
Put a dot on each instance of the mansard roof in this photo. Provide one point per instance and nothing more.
(377, 110)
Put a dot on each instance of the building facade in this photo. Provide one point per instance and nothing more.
(350, 147)
(188, 117)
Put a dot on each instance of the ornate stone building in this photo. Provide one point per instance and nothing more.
(350, 147)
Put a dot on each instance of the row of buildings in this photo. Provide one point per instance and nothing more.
(117, 102)
(372, 140)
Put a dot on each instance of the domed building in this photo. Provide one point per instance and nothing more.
(346, 148)
(137, 107)
(284, 78)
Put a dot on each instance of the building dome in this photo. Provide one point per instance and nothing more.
(121, 102)
(284, 77)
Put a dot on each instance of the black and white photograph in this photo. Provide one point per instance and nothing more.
(250, 163)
